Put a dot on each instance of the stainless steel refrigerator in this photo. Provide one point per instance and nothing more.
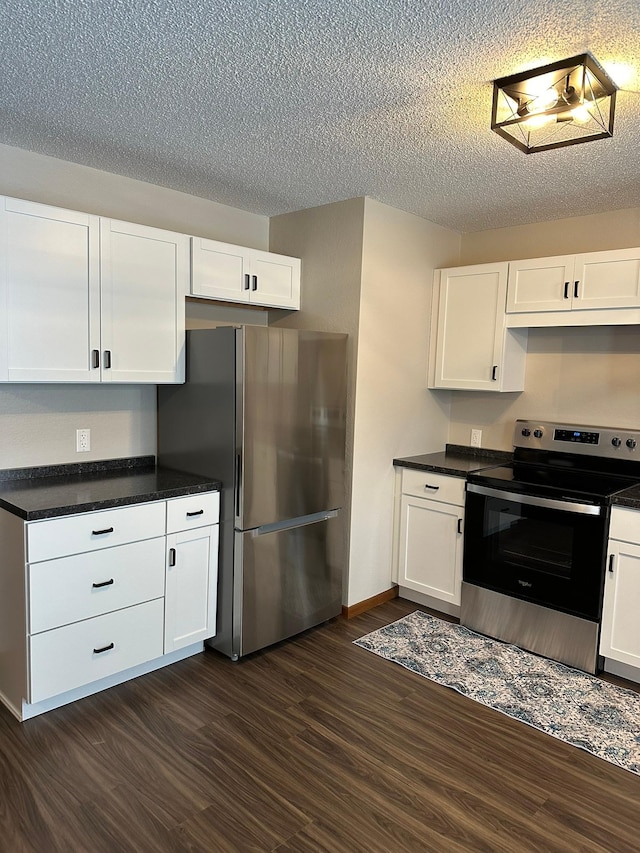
(263, 410)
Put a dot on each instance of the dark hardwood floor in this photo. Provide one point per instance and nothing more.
(314, 745)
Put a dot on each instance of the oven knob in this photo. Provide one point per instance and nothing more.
(537, 433)
(631, 443)
(526, 432)
(616, 441)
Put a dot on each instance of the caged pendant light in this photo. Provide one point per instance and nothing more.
(561, 104)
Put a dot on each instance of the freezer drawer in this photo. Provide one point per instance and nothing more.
(286, 581)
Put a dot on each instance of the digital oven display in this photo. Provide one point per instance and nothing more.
(576, 436)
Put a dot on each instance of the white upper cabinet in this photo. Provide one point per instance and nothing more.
(85, 299)
(49, 294)
(471, 348)
(608, 279)
(236, 274)
(572, 283)
(541, 284)
(145, 277)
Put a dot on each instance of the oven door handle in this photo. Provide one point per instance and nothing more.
(532, 500)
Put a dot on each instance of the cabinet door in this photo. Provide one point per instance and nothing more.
(430, 558)
(49, 293)
(541, 284)
(145, 275)
(219, 270)
(608, 279)
(620, 633)
(471, 327)
(191, 587)
(275, 280)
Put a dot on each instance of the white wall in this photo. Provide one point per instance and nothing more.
(584, 375)
(395, 414)
(38, 422)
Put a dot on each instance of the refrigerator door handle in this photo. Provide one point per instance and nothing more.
(290, 523)
(237, 484)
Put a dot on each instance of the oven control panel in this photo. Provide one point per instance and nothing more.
(575, 438)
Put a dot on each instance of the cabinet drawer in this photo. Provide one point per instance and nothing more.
(625, 524)
(73, 588)
(198, 510)
(436, 487)
(69, 657)
(88, 531)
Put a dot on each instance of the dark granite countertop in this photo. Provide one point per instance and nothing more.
(629, 497)
(50, 491)
(456, 460)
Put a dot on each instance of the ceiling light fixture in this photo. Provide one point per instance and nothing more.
(564, 103)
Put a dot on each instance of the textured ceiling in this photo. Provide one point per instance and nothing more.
(277, 105)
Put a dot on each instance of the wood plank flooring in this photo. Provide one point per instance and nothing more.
(313, 745)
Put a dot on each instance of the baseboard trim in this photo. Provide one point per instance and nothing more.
(369, 603)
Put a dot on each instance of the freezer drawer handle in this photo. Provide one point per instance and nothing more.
(191, 514)
(103, 649)
(101, 532)
(104, 583)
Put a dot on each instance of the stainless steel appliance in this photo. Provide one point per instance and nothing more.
(535, 538)
(263, 410)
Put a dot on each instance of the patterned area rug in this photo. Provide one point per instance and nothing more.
(570, 705)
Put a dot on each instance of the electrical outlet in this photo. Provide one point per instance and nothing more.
(83, 440)
(476, 438)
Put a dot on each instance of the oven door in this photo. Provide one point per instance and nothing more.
(547, 551)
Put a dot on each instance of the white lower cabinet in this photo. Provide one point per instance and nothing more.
(86, 651)
(190, 595)
(620, 632)
(430, 535)
(92, 599)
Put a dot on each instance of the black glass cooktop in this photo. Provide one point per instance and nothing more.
(550, 480)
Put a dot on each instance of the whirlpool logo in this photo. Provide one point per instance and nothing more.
(525, 584)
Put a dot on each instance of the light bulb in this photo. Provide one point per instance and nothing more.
(536, 121)
(544, 101)
(581, 114)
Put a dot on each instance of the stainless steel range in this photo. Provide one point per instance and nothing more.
(535, 538)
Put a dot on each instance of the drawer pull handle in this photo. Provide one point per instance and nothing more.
(172, 557)
(433, 488)
(104, 583)
(101, 532)
(103, 649)
(191, 514)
